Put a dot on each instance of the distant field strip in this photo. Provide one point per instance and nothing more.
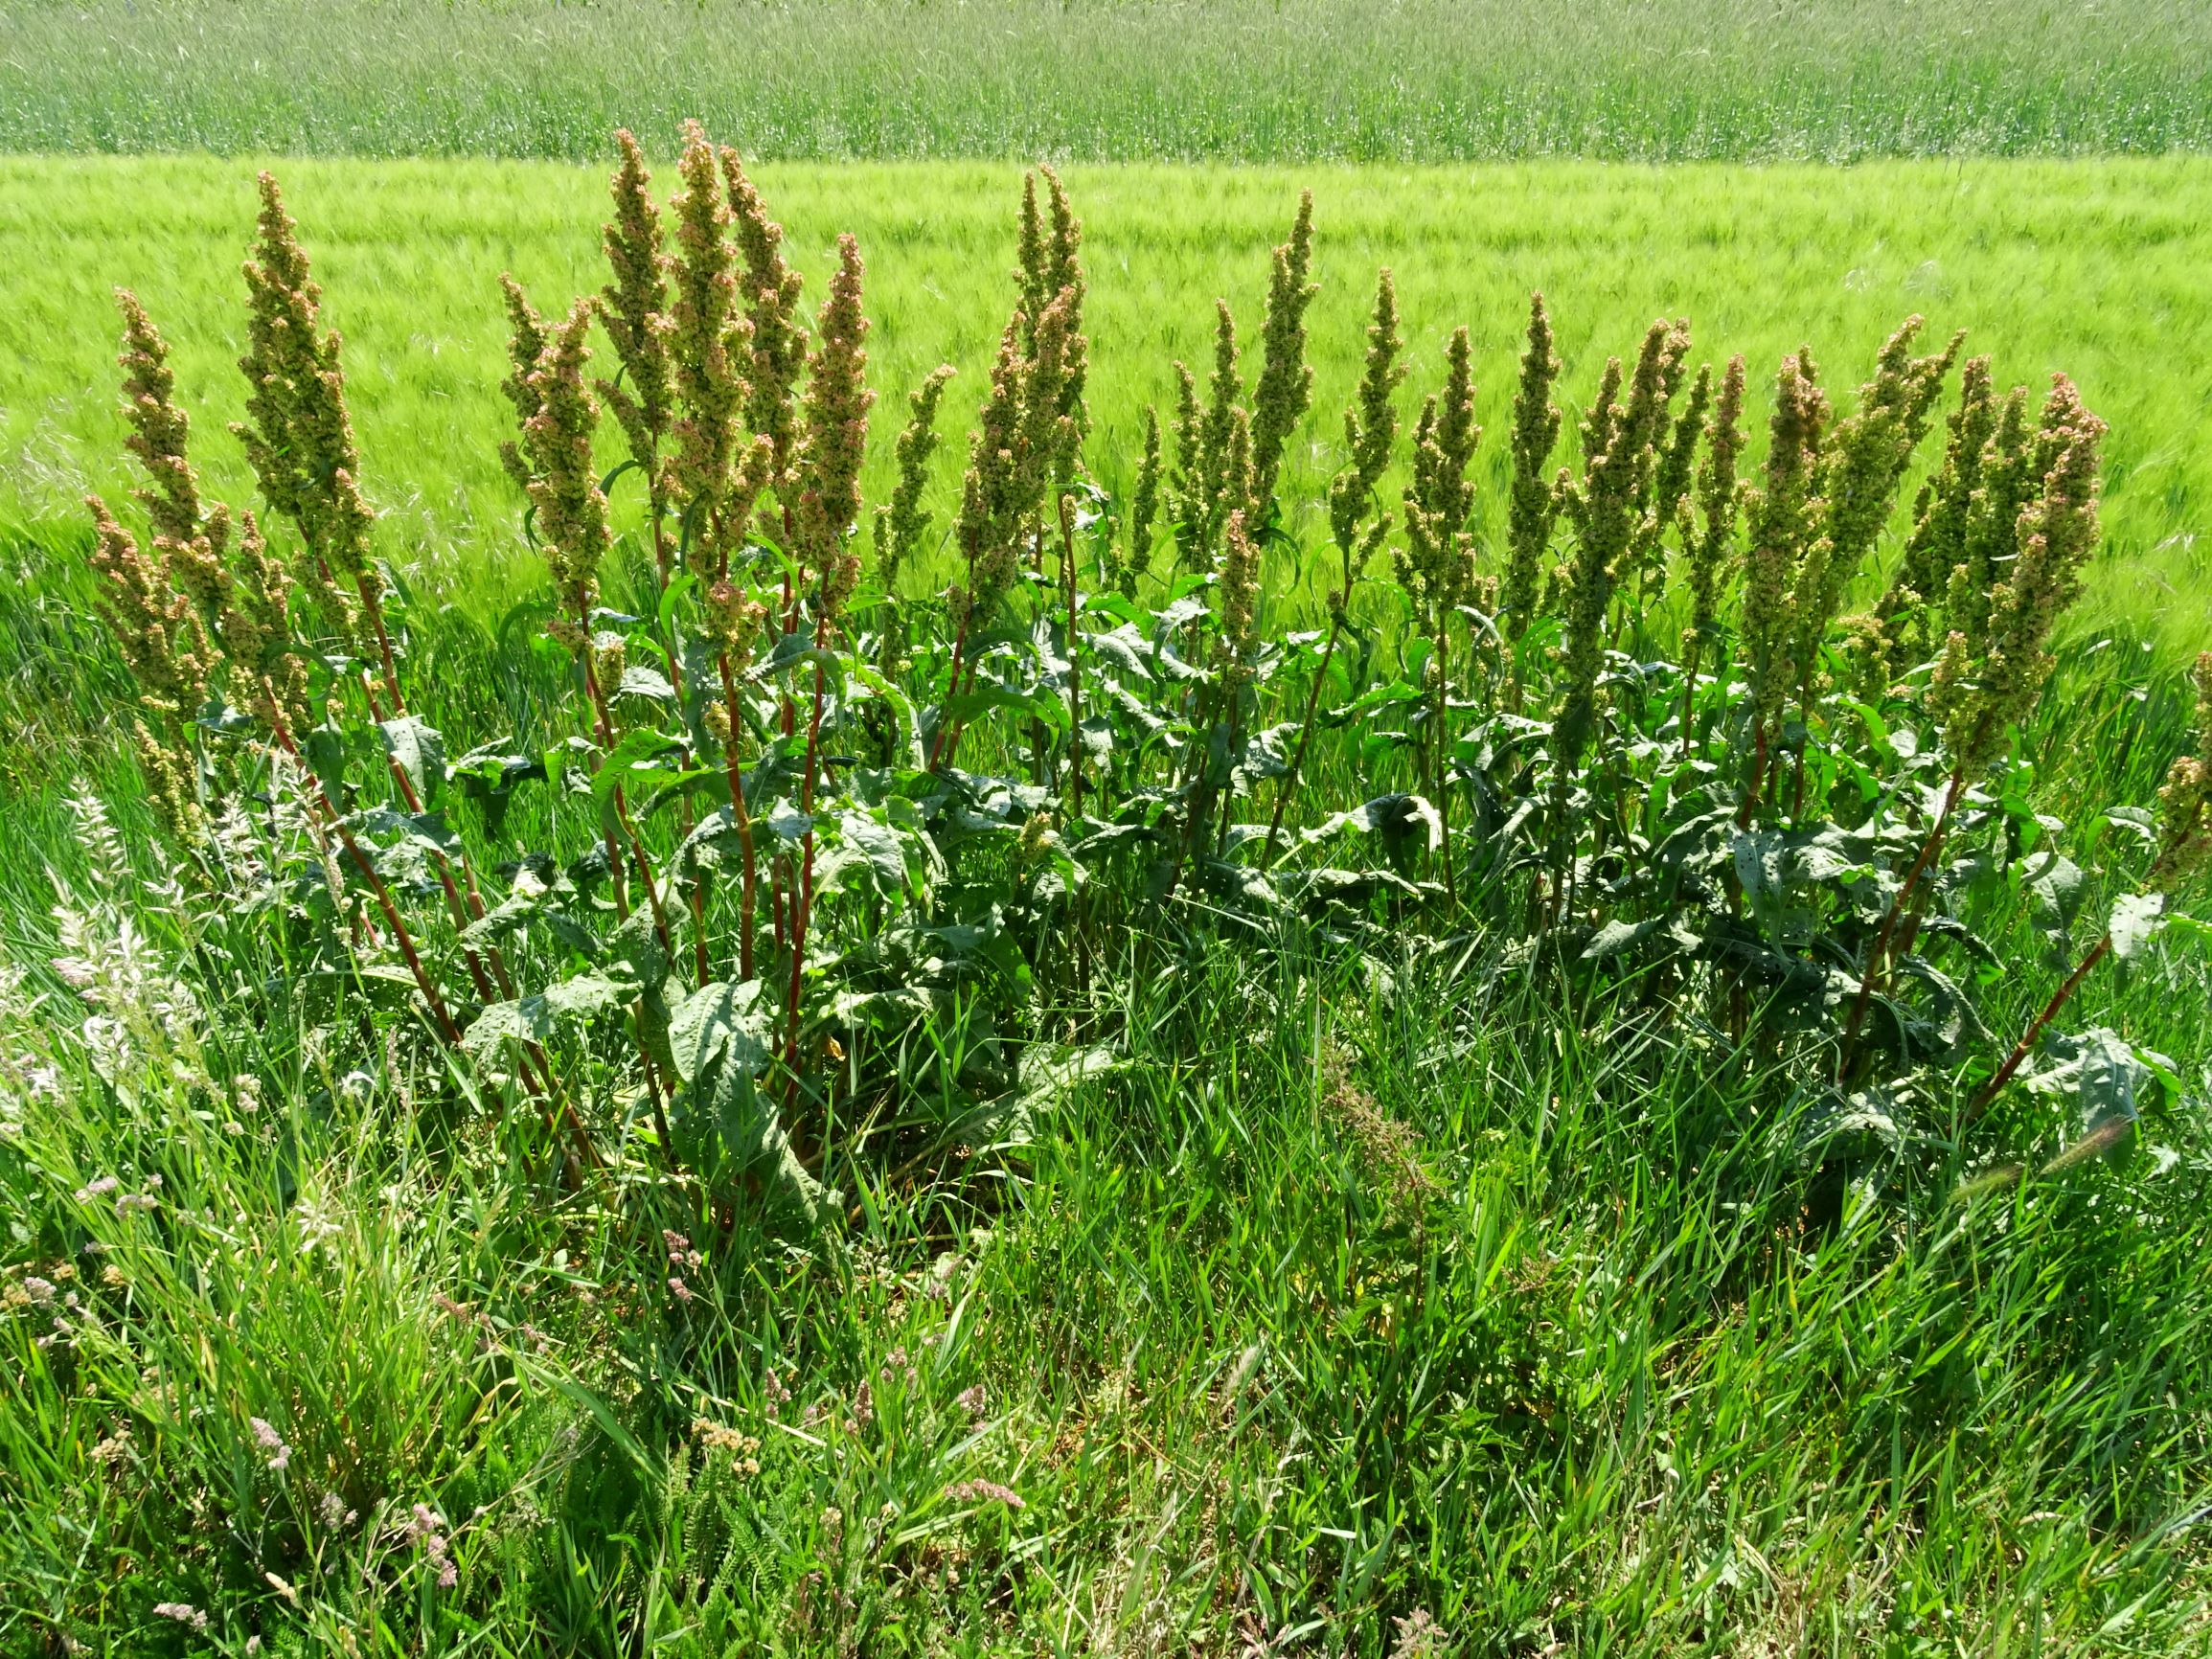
(2096, 267)
(1115, 80)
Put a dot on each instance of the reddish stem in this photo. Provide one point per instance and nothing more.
(742, 820)
(1305, 737)
(1875, 956)
(383, 896)
(2004, 1074)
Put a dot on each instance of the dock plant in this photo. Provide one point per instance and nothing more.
(845, 815)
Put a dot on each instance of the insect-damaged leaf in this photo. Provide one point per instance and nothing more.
(488, 776)
(534, 1018)
(1619, 936)
(418, 749)
(2107, 1080)
(2057, 885)
(719, 1021)
(1395, 818)
(2136, 918)
(644, 682)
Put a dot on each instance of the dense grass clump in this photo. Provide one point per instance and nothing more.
(1623, 1091)
(1114, 79)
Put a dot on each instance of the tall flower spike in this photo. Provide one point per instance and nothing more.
(1043, 438)
(990, 504)
(257, 632)
(1719, 498)
(708, 342)
(1937, 545)
(525, 346)
(1604, 509)
(1436, 565)
(571, 511)
(2185, 800)
(156, 630)
(1214, 498)
(1144, 507)
(902, 523)
(158, 427)
(1860, 466)
(2005, 485)
(1781, 532)
(1285, 389)
(778, 342)
(634, 312)
(1064, 275)
(298, 434)
(2058, 533)
(1240, 598)
(835, 428)
(190, 541)
(1532, 504)
(1029, 274)
(1369, 430)
(1671, 482)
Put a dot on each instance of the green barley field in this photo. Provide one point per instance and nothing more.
(1251, 80)
(1485, 1229)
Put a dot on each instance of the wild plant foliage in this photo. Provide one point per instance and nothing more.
(822, 858)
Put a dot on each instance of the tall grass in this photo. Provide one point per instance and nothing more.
(1758, 258)
(1126, 80)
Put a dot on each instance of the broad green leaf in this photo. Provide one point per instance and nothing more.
(419, 750)
(721, 1020)
(644, 682)
(2058, 886)
(2136, 918)
(534, 1018)
(1618, 935)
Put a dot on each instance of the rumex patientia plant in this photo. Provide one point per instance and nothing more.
(820, 845)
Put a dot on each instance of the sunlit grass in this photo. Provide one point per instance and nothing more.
(1132, 79)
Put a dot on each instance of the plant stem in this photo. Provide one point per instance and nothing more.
(1876, 953)
(384, 895)
(1074, 663)
(1305, 737)
(743, 823)
(2004, 1073)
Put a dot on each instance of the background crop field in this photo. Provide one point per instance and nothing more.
(1181, 79)
(2095, 268)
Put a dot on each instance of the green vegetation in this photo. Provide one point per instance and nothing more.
(2093, 266)
(1637, 1089)
(1275, 80)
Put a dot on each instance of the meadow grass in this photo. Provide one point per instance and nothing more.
(1274, 81)
(1347, 1297)
(1370, 1304)
(2093, 266)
